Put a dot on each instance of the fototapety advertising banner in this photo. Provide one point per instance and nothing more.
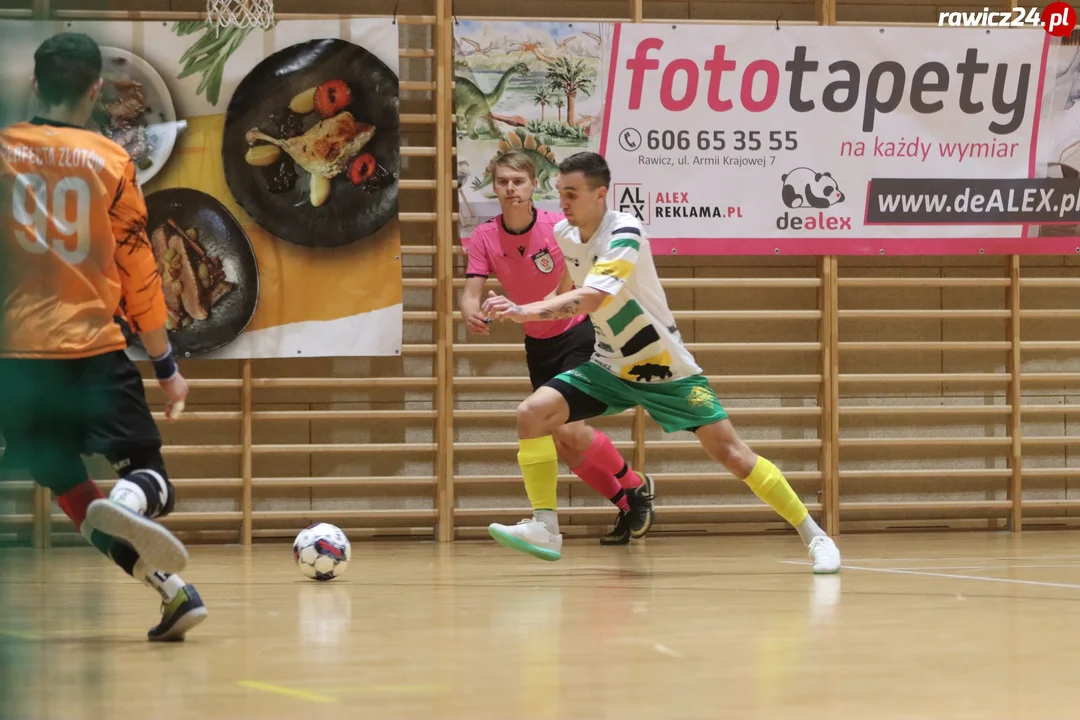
(843, 140)
(728, 139)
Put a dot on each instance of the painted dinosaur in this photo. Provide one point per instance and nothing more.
(531, 47)
(472, 104)
(542, 157)
(475, 45)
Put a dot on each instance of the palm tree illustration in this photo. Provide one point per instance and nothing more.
(559, 104)
(542, 97)
(571, 77)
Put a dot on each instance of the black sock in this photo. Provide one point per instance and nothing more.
(121, 553)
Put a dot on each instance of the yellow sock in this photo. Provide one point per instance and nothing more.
(540, 467)
(769, 484)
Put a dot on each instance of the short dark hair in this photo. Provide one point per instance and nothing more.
(66, 66)
(592, 165)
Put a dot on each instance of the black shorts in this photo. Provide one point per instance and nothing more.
(547, 357)
(85, 406)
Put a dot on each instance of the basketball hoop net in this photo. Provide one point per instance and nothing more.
(240, 13)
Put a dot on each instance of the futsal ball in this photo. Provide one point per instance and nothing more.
(322, 551)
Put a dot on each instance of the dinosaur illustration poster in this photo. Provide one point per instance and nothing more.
(535, 86)
(1058, 152)
(288, 253)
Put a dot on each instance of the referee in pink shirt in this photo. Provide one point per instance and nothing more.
(519, 248)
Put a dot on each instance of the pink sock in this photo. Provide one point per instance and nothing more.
(604, 470)
(604, 455)
(602, 482)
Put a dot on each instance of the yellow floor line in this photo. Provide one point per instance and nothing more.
(20, 635)
(287, 692)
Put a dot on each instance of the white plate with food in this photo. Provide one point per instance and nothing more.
(135, 109)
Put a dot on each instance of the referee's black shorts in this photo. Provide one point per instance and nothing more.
(547, 357)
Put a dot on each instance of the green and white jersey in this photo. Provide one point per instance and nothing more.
(636, 337)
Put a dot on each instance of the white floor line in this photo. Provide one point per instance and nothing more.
(896, 571)
(665, 650)
(981, 558)
(1058, 566)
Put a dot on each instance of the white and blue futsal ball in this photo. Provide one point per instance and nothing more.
(322, 551)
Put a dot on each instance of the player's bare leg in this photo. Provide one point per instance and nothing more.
(538, 417)
(571, 442)
(725, 446)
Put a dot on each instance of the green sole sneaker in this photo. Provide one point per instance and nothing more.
(155, 544)
(509, 540)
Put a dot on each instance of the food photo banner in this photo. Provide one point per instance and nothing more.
(728, 139)
(269, 160)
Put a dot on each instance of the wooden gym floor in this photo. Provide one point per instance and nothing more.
(916, 626)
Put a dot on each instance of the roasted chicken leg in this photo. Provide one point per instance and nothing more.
(325, 149)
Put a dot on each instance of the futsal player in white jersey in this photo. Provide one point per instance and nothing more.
(639, 359)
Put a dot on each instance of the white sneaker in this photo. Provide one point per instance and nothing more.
(528, 536)
(158, 547)
(825, 554)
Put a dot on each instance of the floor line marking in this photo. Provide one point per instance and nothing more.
(20, 635)
(665, 650)
(1055, 566)
(287, 692)
(952, 576)
(982, 558)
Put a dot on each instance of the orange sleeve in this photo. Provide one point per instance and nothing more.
(143, 300)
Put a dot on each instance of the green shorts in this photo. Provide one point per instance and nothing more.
(684, 404)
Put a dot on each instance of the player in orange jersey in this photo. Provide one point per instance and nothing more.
(73, 227)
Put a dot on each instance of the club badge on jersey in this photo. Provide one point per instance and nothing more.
(544, 262)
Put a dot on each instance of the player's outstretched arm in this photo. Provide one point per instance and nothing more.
(564, 305)
(607, 277)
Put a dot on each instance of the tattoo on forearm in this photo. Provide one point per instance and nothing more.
(566, 310)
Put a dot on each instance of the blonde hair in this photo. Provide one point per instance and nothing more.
(515, 160)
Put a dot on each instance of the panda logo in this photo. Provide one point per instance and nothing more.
(804, 187)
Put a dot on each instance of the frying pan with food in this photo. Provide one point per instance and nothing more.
(212, 233)
(323, 99)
